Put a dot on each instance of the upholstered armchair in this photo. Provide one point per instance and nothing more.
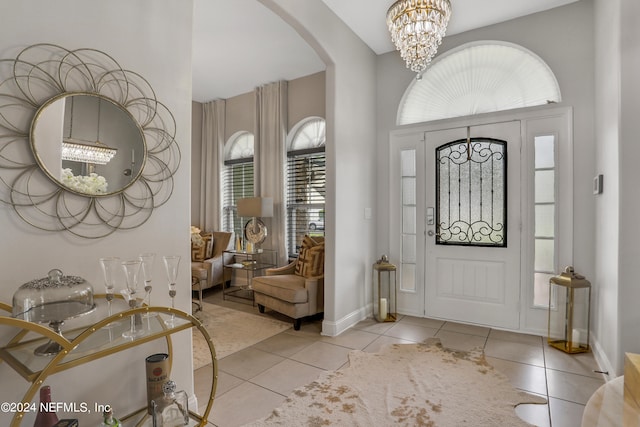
(296, 290)
(210, 272)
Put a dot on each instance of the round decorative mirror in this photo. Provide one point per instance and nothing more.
(85, 145)
(88, 144)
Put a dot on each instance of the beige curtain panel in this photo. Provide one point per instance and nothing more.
(213, 127)
(270, 152)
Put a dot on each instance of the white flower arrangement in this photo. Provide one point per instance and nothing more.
(92, 184)
(196, 238)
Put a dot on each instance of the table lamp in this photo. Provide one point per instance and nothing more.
(255, 207)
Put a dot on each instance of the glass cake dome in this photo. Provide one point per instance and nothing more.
(53, 299)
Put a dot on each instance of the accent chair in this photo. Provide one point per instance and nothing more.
(209, 272)
(295, 290)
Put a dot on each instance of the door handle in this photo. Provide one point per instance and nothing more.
(432, 233)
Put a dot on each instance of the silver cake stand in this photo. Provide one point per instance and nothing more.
(55, 314)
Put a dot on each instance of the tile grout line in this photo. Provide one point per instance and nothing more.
(441, 328)
(546, 381)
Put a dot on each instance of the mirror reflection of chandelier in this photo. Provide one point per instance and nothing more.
(98, 154)
(84, 151)
(417, 28)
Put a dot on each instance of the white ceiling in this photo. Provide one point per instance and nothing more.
(240, 44)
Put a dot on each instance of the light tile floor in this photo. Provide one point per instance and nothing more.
(256, 380)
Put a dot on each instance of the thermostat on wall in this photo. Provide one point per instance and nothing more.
(597, 184)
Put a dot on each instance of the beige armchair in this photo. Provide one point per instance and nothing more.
(211, 271)
(296, 290)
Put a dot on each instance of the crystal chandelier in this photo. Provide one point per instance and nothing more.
(94, 153)
(417, 28)
(98, 154)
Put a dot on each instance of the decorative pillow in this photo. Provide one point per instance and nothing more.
(310, 262)
(209, 241)
(204, 251)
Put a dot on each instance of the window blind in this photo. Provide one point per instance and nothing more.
(237, 184)
(305, 196)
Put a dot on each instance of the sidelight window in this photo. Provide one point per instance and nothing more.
(408, 257)
(544, 218)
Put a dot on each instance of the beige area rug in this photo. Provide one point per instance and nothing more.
(231, 331)
(406, 385)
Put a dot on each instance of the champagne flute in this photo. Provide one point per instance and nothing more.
(110, 267)
(171, 268)
(147, 272)
(131, 271)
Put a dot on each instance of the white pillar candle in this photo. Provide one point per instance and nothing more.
(383, 308)
(578, 337)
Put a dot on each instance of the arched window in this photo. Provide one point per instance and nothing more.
(478, 77)
(237, 178)
(305, 181)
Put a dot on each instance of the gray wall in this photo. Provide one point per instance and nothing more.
(141, 44)
(307, 98)
(629, 153)
(617, 66)
(607, 117)
(196, 160)
(240, 114)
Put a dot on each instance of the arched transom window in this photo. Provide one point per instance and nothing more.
(479, 77)
(239, 147)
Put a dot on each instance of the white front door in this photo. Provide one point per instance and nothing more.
(473, 226)
(480, 284)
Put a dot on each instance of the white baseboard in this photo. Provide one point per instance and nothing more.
(193, 403)
(603, 361)
(332, 329)
(534, 331)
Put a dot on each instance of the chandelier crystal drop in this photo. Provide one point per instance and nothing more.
(96, 154)
(417, 28)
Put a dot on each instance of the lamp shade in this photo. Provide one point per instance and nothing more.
(258, 207)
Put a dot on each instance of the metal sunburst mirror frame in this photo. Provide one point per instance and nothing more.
(43, 72)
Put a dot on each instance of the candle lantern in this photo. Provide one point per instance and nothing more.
(385, 293)
(569, 314)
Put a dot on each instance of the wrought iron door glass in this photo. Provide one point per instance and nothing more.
(471, 192)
